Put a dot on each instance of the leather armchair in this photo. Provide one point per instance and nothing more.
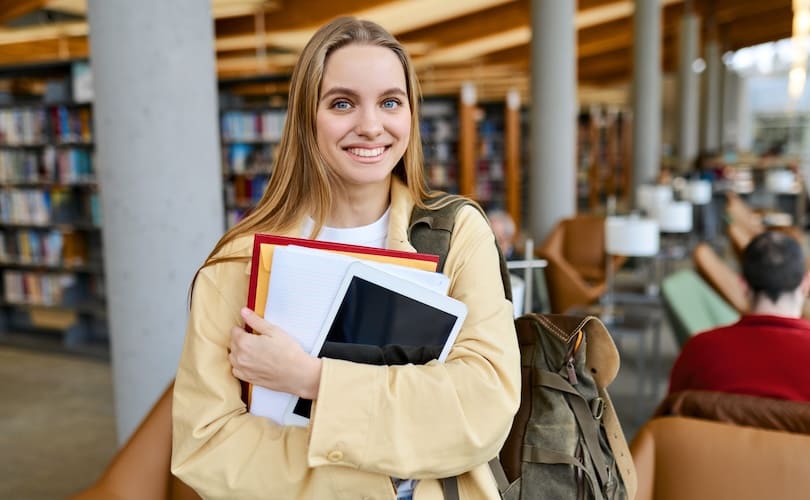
(720, 276)
(141, 468)
(739, 409)
(678, 458)
(575, 251)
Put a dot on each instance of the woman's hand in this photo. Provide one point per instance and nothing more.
(269, 357)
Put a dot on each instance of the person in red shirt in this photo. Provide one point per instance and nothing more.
(766, 353)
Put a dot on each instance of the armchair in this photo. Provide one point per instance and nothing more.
(720, 276)
(678, 457)
(576, 271)
(739, 409)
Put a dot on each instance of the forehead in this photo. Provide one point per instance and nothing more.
(363, 67)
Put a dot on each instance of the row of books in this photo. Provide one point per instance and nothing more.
(35, 126)
(52, 165)
(244, 191)
(49, 247)
(48, 206)
(23, 287)
(246, 158)
(249, 126)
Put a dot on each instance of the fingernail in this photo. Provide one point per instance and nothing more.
(246, 312)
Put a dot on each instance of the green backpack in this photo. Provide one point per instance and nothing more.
(565, 441)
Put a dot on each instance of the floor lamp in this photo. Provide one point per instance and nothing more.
(629, 236)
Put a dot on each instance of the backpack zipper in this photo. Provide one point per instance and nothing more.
(569, 363)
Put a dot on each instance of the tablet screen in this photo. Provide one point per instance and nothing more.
(373, 314)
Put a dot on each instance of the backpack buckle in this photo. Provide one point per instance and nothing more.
(597, 408)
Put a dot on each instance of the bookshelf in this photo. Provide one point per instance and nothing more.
(439, 125)
(603, 157)
(50, 239)
(250, 137)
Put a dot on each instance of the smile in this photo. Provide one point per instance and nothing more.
(367, 152)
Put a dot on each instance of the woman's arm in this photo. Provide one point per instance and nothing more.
(219, 449)
(435, 420)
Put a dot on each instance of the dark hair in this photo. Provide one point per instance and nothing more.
(773, 263)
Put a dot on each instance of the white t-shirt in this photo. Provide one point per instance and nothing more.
(372, 235)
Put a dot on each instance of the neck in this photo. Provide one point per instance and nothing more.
(359, 206)
(788, 305)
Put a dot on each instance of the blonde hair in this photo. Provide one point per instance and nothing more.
(301, 181)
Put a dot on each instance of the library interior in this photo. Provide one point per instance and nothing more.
(635, 152)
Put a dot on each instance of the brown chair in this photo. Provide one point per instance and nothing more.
(141, 468)
(720, 276)
(739, 235)
(678, 458)
(575, 251)
(739, 409)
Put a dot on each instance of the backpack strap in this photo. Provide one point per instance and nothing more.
(429, 231)
(431, 228)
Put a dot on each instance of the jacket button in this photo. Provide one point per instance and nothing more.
(335, 456)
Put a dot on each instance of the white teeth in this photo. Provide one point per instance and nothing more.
(367, 153)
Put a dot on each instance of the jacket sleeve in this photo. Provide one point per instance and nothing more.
(439, 419)
(217, 448)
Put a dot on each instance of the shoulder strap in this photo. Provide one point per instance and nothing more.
(429, 231)
(431, 228)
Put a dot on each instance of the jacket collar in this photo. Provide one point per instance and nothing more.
(401, 207)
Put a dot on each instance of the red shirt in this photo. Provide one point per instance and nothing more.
(760, 355)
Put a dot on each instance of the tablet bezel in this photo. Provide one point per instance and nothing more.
(397, 284)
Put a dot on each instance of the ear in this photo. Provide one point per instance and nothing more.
(744, 285)
(804, 286)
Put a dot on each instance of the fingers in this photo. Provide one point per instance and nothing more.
(256, 322)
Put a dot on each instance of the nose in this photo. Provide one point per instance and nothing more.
(369, 123)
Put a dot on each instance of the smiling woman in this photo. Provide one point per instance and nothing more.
(349, 170)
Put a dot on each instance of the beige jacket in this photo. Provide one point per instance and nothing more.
(369, 423)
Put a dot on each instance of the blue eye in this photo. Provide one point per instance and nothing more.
(341, 105)
(391, 104)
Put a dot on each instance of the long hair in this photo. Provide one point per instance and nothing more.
(301, 178)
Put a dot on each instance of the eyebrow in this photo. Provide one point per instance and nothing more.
(351, 93)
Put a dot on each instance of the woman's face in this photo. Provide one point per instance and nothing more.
(364, 120)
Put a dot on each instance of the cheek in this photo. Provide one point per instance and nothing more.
(403, 126)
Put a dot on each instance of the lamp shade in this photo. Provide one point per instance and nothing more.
(675, 217)
(780, 181)
(631, 236)
(699, 191)
(650, 196)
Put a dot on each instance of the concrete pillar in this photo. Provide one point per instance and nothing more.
(745, 115)
(646, 92)
(731, 111)
(688, 99)
(155, 118)
(712, 97)
(552, 174)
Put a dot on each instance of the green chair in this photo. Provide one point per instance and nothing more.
(692, 306)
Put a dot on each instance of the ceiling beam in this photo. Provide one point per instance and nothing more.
(472, 26)
(294, 16)
(11, 9)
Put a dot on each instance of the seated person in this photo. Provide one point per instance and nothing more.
(506, 235)
(504, 228)
(766, 352)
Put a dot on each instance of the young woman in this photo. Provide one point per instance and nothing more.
(349, 169)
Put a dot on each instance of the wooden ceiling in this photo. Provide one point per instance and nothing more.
(451, 41)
